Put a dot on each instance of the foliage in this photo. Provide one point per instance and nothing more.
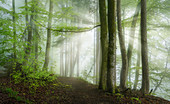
(137, 99)
(34, 79)
(119, 96)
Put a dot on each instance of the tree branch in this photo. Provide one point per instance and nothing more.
(75, 31)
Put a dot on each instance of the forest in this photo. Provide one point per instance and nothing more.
(84, 51)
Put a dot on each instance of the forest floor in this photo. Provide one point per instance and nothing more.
(68, 91)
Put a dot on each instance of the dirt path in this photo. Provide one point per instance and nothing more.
(72, 91)
(83, 92)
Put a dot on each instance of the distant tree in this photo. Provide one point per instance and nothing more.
(66, 57)
(137, 63)
(14, 29)
(71, 58)
(104, 44)
(78, 55)
(48, 45)
(61, 62)
(36, 36)
(144, 49)
(29, 25)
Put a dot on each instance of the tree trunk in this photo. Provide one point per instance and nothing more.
(29, 40)
(78, 56)
(137, 64)
(97, 56)
(74, 59)
(26, 20)
(61, 62)
(144, 49)
(14, 29)
(48, 45)
(36, 38)
(66, 58)
(97, 47)
(71, 59)
(104, 44)
(111, 69)
(94, 71)
(123, 74)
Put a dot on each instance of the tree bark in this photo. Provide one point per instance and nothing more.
(104, 44)
(48, 45)
(111, 68)
(144, 49)
(123, 74)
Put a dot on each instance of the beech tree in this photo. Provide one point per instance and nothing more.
(48, 45)
(111, 67)
(104, 44)
(36, 36)
(144, 49)
(123, 74)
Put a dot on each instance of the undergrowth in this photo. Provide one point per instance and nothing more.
(33, 79)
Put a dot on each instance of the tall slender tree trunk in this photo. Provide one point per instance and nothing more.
(94, 50)
(97, 46)
(74, 58)
(131, 39)
(29, 25)
(144, 49)
(97, 56)
(66, 57)
(61, 61)
(111, 68)
(104, 44)
(78, 56)
(36, 36)
(14, 29)
(26, 20)
(137, 64)
(48, 45)
(123, 74)
(71, 59)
